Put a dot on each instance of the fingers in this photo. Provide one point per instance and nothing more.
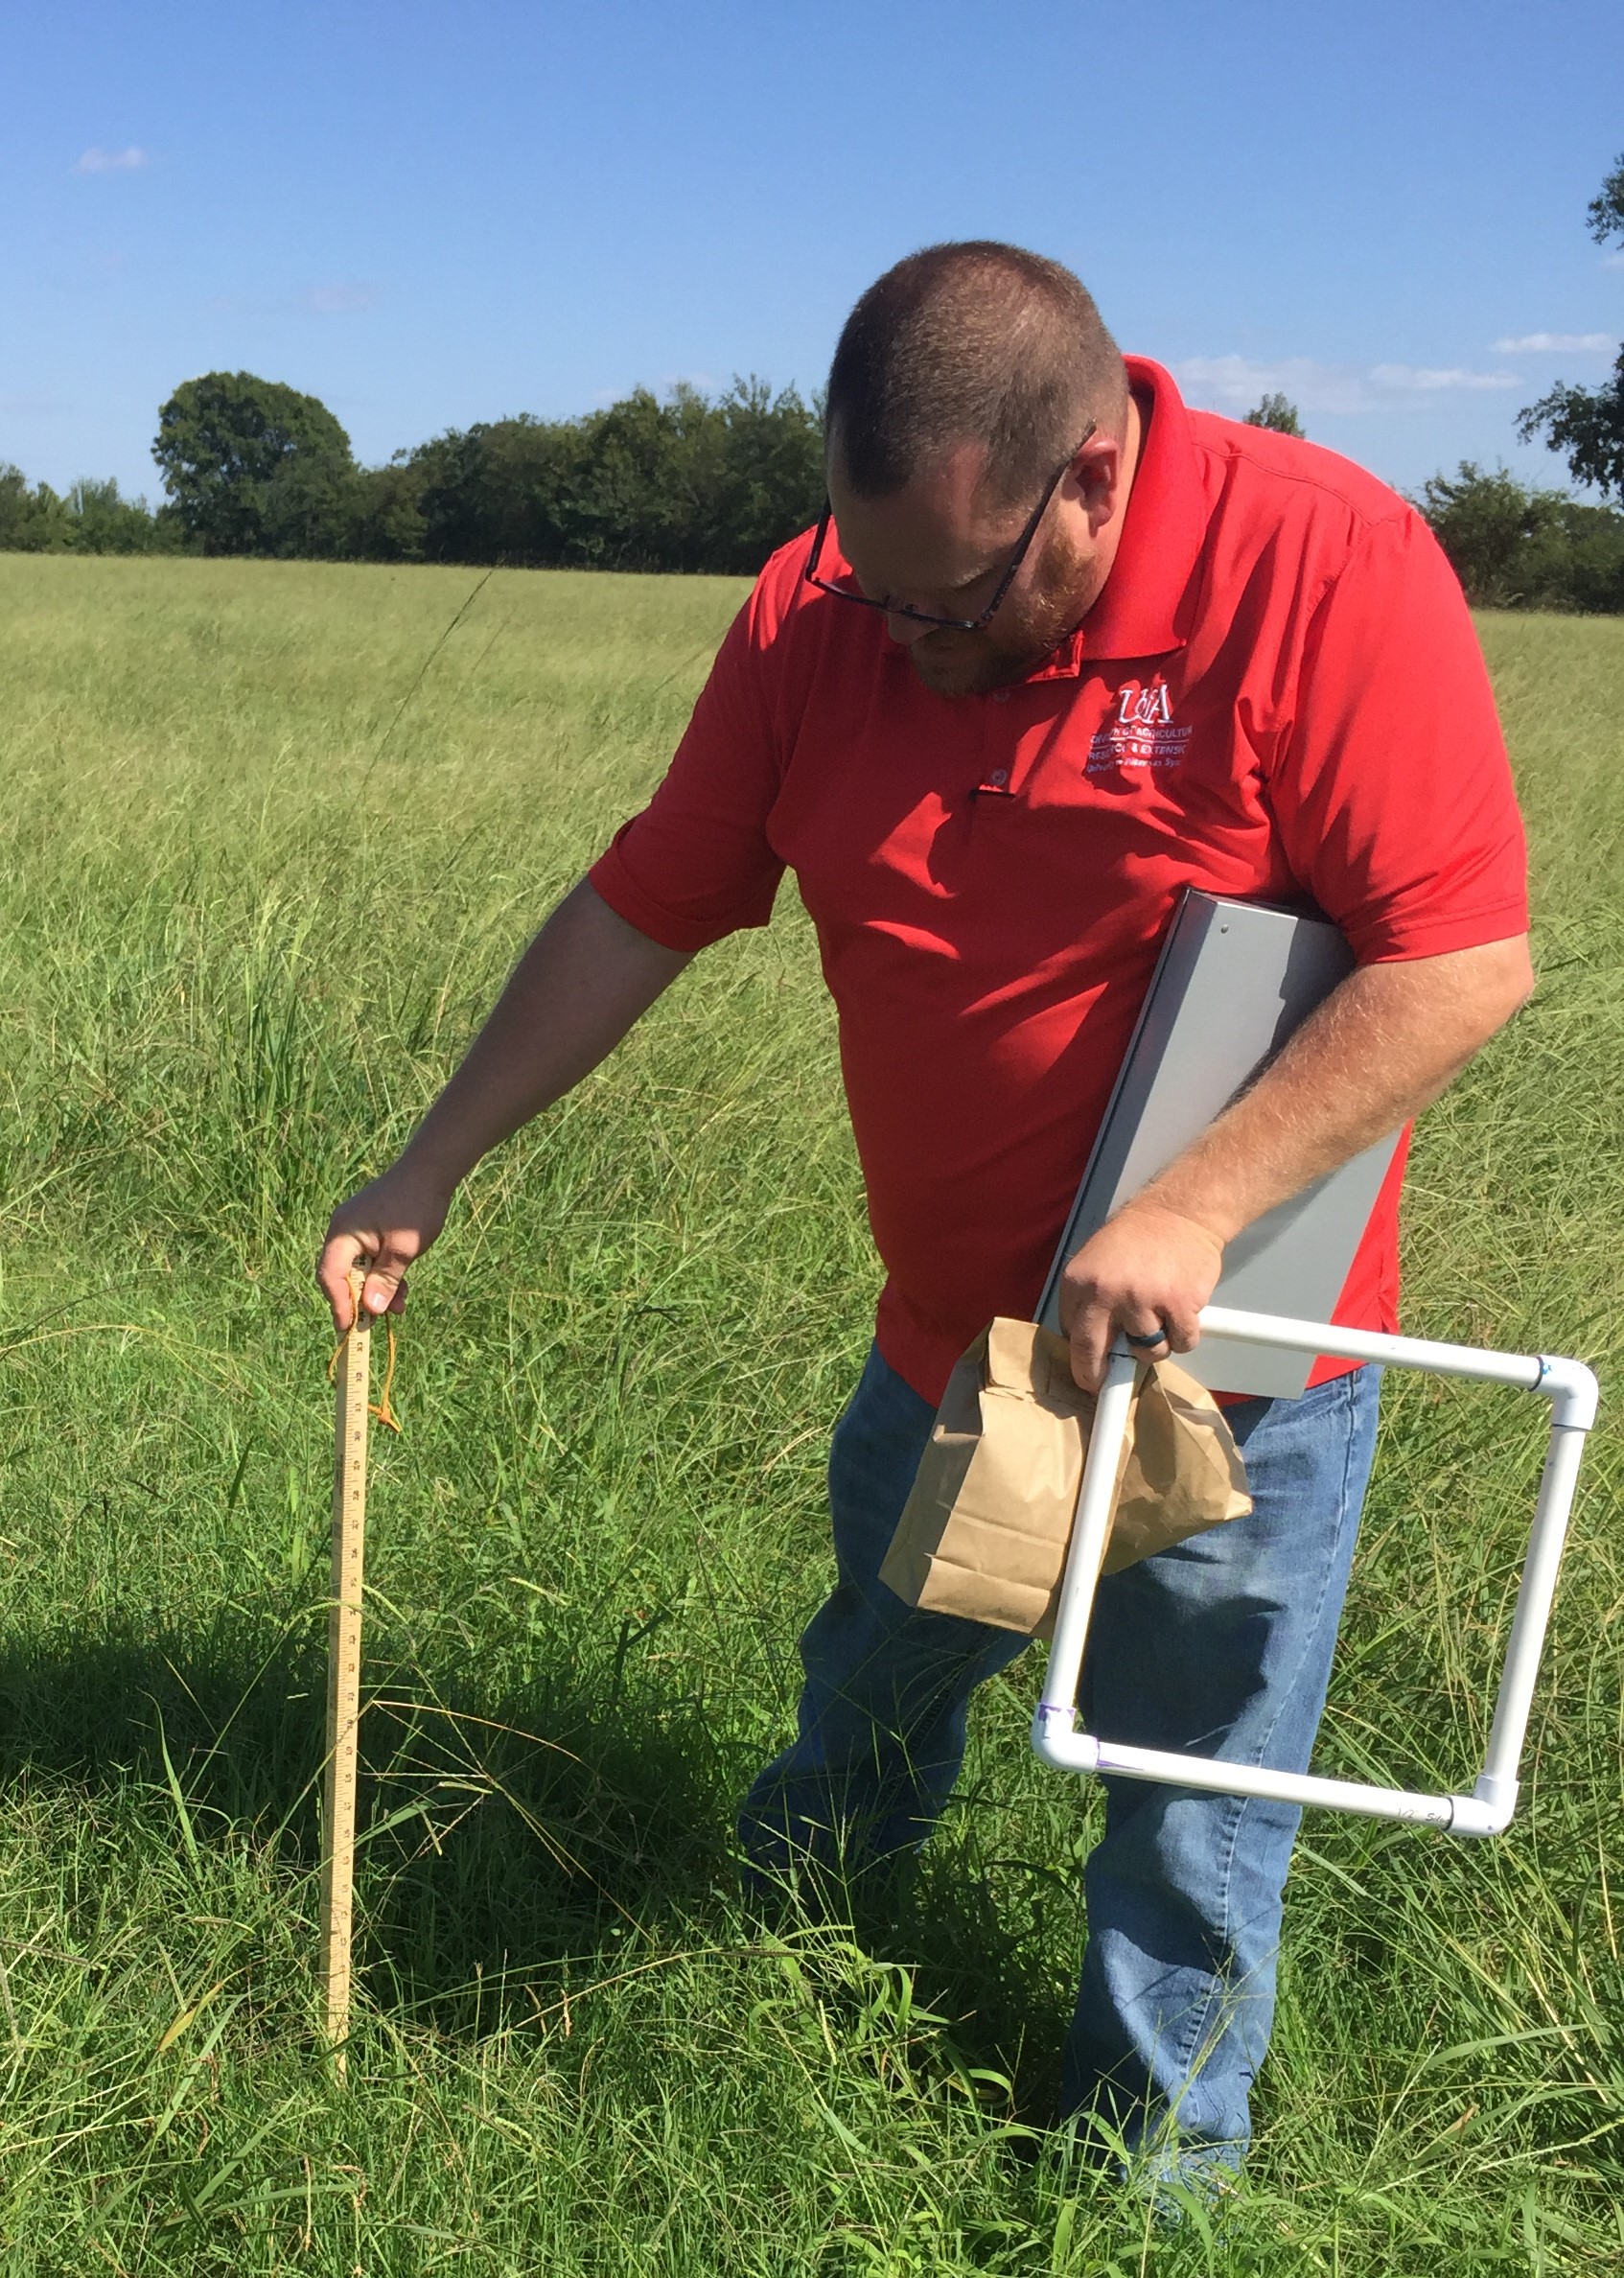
(381, 1230)
(340, 1253)
(383, 1290)
(1091, 1344)
(382, 1259)
(1098, 1328)
(1181, 1325)
(1142, 1279)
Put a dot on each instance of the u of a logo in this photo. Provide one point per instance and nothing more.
(1139, 707)
(1139, 731)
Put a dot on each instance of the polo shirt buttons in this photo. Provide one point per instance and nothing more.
(1000, 696)
(999, 775)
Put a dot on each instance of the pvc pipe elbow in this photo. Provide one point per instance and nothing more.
(1056, 1741)
(1573, 1391)
(1487, 1810)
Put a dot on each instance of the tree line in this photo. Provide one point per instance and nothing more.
(692, 484)
(252, 467)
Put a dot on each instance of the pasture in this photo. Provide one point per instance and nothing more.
(271, 837)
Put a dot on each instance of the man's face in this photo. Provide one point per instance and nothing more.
(937, 546)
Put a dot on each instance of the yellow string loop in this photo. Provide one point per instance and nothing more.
(383, 1412)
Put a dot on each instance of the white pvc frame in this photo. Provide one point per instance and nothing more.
(1572, 1392)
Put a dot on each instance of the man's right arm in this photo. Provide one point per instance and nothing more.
(582, 983)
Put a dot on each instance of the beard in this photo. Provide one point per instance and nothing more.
(1047, 604)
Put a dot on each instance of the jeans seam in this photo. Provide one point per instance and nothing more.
(1215, 1989)
(1334, 1540)
(1218, 1988)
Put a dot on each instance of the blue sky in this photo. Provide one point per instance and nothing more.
(427, 214)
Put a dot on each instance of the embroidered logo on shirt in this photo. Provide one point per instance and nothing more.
(1140, 732)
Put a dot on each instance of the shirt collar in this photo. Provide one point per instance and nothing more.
(1139, 614)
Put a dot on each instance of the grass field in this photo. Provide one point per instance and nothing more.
(269, 850)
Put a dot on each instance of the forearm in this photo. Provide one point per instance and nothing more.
(1383, 1045)
(1375, 1052)
(581, 984)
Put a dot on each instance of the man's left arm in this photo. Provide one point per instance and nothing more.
(1379, 1049)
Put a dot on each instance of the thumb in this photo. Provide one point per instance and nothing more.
(383, 1290)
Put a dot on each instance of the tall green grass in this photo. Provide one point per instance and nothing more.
(272, 835)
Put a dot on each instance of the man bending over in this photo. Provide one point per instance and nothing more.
(1059, 649)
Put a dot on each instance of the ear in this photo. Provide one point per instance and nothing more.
(1095, 479)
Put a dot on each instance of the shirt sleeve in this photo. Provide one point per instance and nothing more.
(1392, 789)
(696, 863)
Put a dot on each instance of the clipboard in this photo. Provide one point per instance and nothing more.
(1234, 979)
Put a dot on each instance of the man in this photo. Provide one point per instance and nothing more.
(1058, 650)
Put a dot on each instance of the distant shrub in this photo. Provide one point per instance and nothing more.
(251, 467)
(1515, 546)
(1276, 411)
(387, 522)
(1587, 422)
(94, 518)
(31, 520)
(101, 520)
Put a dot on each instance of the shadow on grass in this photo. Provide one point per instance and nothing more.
(530, 1823)
(517, 1842)
(972, 1935)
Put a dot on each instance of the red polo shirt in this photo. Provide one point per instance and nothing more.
(1278, 695)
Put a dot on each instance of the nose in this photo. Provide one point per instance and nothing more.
(905, 630)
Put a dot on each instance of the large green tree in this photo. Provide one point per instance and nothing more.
(253, 467)
(1587, 422)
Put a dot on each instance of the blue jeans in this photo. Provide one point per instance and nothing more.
(1220, 1646)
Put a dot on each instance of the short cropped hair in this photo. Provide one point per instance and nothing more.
(978, 342)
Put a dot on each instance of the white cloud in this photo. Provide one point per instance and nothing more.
(1556, 344)
(1432, 382)
(1235, 382)
(340, 300)
(1612, 260)
(98, 161)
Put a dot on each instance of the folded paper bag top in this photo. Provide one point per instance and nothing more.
(984, 1531)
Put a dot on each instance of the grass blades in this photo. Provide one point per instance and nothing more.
(272, 835)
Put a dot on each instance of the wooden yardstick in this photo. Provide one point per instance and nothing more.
(353, 1375)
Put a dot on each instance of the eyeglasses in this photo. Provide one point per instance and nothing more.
(844, 591)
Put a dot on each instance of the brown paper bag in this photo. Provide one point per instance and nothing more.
(986, 1529)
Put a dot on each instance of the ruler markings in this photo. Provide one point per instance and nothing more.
(354, 1381)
